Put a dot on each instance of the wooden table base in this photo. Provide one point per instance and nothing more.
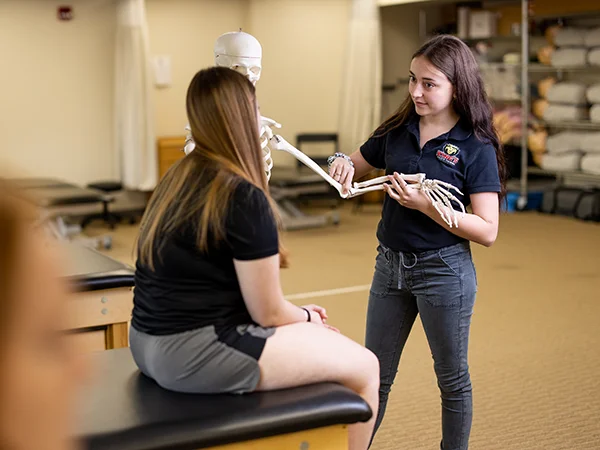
(327, 438)
(99, 320)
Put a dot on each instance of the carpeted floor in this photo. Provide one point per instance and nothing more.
(535, 341)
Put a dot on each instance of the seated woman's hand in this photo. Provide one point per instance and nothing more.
(318, 315)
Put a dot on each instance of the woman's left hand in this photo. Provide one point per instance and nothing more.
(321, 311)
(407, 196)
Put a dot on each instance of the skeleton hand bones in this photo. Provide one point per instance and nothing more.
(438, 192)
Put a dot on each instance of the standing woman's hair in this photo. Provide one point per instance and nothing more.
(453, 58)
(223, 117)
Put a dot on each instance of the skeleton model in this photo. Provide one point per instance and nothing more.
(242, 52)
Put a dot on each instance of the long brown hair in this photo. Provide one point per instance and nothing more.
(222, 112)
(454, 59)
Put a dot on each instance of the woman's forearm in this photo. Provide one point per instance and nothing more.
(471, 226)
(286, 314)
(361, 166)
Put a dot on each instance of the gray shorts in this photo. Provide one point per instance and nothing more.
(202, 361)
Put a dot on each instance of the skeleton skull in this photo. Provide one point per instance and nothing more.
(241, 52)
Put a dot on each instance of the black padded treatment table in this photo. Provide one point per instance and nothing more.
(124, 410)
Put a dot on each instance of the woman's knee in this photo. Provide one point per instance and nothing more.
(366, 370)
(453, 380)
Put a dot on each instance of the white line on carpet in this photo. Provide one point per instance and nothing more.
(328, 292)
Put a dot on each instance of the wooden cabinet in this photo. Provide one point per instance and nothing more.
(99, 320)
(170, 150)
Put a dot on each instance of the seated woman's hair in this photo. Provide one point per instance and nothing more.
(223, 115)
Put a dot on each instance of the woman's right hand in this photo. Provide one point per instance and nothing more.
(342, 172)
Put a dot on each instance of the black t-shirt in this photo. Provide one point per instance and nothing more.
(457, 157)
(189, 289)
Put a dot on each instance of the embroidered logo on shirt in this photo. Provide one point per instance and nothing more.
(448, 154)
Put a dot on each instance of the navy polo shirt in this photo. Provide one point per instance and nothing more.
(457, 157)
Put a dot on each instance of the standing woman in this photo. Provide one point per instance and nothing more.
(443, 129)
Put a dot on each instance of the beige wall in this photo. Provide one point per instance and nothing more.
(56, 89)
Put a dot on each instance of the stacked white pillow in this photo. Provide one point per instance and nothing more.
(563, 151)
(573, 101)
(573, 150)
(567, 100)
(576, 47)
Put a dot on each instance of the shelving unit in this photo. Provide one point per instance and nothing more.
(528, 68)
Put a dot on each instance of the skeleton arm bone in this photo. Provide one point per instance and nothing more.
(270, 142)
(280, 143)
(414, 180)
(434, 189)
(376, 184)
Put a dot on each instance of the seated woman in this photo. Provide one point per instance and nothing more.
(39, 371)
(209, 313)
